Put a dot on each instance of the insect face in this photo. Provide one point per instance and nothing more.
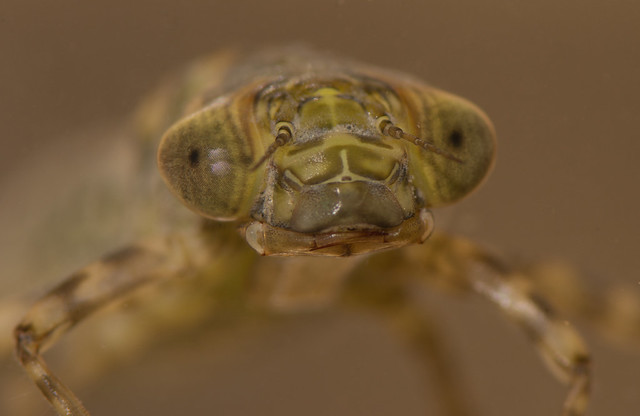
(337, 178)
(328, 164)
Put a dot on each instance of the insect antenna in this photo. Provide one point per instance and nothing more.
(282, 138)
(391, 130)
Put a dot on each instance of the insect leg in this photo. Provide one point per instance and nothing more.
(422, 335)
(381, 286)
(97, 285)
(557, 341)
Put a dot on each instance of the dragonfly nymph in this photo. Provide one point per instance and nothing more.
(317, 175)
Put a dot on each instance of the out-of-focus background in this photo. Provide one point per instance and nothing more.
(559, 80)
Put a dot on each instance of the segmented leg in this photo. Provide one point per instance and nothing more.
(382, 285)
(422, 334)
(97, 285)
(557, 341)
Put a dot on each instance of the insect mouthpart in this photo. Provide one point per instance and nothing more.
(339, 241)
(346, 205)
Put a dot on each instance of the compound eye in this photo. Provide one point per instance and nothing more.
(462, 130)
(205, 161)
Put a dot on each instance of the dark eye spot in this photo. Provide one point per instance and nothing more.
(456, 139)
(194, 157)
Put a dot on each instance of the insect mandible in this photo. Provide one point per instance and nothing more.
(328, 166)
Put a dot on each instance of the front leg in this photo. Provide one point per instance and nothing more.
(97, 285)
(467, 265)
(382, 285)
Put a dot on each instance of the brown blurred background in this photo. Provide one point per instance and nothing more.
(559, 80)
